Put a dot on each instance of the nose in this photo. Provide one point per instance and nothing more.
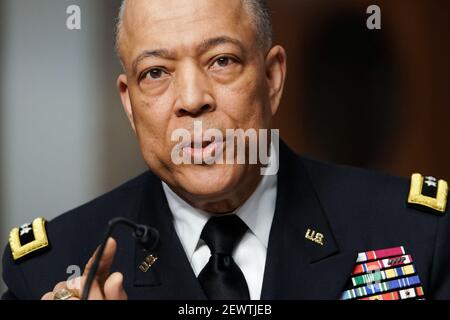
(194, 94)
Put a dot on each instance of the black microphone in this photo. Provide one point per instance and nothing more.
(147, 236)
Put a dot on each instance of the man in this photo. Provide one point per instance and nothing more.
(311, 231)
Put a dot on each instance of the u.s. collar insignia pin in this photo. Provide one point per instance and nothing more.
(148, 263)
(315, 237)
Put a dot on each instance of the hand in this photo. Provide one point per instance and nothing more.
(105, 286)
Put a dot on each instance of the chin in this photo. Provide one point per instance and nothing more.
(210, 181)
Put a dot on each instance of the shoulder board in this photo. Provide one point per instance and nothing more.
(29, 238)
(428, 194)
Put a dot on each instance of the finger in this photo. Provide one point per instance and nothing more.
(59, 286)
(76, 285)
(105, 262)
(48, 296)
(96, 292)
(114, 287)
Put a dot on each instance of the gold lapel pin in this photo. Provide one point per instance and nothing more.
(315, 236)
(148, 263)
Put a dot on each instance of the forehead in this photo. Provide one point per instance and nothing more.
(182, 24)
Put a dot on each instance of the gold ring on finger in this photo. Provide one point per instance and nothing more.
(63, 294)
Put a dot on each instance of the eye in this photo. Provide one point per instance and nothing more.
(223, 62)
(153, 74)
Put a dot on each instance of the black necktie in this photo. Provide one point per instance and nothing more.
(221, 278)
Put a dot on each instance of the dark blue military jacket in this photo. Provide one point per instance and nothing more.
(325, 215)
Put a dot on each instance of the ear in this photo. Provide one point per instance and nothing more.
(122, 86)
(275, 75)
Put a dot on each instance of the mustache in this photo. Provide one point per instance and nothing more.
(191, 138)
(199, 132)
(202, 133)
(205, 125)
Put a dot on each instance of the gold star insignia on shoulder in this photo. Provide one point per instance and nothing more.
(29, 238)
(428, 193)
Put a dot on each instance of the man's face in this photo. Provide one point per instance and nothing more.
(195, 60)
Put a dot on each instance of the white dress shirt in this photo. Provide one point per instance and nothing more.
(250, 254)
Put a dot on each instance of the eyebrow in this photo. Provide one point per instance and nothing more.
(214, 42)
(202, 48)
(159, 53)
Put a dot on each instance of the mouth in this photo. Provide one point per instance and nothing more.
(201, 144)
(203, 150)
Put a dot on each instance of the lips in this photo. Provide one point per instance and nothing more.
(203, 150)
(201, 144)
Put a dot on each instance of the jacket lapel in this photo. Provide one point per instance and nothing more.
(297, 267)
(170, 276)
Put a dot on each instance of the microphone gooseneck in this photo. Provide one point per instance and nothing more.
(147, 236)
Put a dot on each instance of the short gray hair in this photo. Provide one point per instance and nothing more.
(260, 13)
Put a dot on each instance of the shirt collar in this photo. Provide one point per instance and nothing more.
(257, 212)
